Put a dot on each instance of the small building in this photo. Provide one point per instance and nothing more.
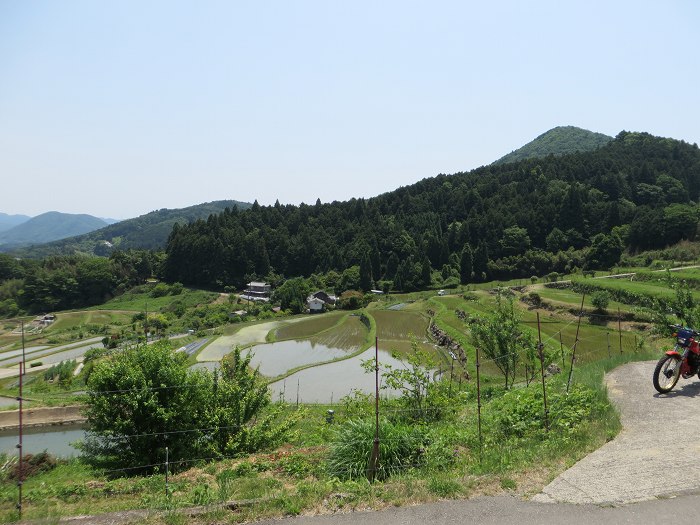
(377, 292)
(46, 320)
(325, 297)
(257, 291)
(315, 305)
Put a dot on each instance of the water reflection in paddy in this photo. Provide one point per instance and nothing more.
(277, 358)
(55, 440)
(326, 383)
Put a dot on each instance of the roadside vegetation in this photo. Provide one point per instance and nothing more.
(429, 440)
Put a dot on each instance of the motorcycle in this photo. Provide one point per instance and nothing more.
(683, 360)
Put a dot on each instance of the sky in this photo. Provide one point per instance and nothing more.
(117, 109)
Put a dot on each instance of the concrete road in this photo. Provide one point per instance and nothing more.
(656, 453)
(510, 510)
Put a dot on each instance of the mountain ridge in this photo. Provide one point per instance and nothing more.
(50, 226)
(147, 231)
(559, 140)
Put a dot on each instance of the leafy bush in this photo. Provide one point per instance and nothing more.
(601, 300)
(520, 412)
(400, 447)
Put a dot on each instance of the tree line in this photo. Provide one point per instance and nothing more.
(529, 218)
(501, 221)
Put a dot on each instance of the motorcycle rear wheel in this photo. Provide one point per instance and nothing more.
(666, 373)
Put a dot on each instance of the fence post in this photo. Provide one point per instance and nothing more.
(374, 459)
(166, 473)
(619, 327)
(20, 480)
(540, 347)
(607, 334)
(573, 352)
(478, 403)
(561, 348)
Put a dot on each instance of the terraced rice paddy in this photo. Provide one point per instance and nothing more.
(42, 352)
(397, 325)
(350, 335)
(309, 326)
(246, 336)
(330, 382)
(274, 359)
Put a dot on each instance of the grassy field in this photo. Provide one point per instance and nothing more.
(142, 301)
(295, 478)
(351, 335)
(309, 327)
(400, 324)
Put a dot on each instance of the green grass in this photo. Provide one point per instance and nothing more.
(398, 324)
(351, 334)
(309, 327)
(69, 320)
(139, 302)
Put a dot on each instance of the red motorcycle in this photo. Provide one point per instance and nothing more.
(683, 360)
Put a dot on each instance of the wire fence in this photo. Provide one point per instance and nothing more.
(561, 345)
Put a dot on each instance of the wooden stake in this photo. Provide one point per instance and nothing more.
(573, 351)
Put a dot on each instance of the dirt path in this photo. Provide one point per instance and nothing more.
(654, 455)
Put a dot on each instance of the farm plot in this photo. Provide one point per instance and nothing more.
(246, 336)
(330, 382)
(40, 352)
(398, 325)
(68, 320)
(274, 359)
(350, 335)
(309, 326)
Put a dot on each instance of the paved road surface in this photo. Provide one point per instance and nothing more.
(509, 510)
(655, 455)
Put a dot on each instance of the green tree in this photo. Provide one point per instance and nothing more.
(600, 299)
(501, 339)
(146, 398)
(135, 399)
(292, 294)
(481, 260)
(365, 273)
(466, 265)
(605, 252)
(515, 240)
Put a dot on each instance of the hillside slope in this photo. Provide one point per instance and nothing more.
(503, 221)
(10, 221)
(148, 231)
(50, 226)
(558, 141)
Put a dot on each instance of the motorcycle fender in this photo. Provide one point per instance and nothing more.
(673, 353)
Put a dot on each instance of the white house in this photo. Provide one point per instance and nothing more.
(315, 305)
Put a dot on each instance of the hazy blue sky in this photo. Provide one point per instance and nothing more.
(120, 108)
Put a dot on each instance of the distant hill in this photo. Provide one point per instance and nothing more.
(149, 231)
(10, 221)
(48, 227)
(558, 141)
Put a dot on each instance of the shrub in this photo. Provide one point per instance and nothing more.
(520, 412)
(33, 464)
(400, 447)
(601, 300)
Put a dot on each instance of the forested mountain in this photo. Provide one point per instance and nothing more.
(49, 226)
(505, 220)
(10, 221)
(149, 231)
(558, 141)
